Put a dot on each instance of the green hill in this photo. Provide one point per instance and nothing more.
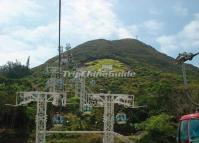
(129, 51)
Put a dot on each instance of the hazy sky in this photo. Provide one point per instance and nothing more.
(30, 27)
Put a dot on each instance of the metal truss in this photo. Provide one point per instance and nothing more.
(107, 101)
(41, 118)
(80, 90)
(42, 99)
(108, 119)
(99, 100)
(56, 96)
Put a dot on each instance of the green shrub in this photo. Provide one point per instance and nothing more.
(159, 129)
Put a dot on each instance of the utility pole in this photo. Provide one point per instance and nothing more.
(59, 46)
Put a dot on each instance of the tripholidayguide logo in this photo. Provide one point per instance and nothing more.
(104, 71)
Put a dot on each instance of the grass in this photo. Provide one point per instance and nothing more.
(97, 65)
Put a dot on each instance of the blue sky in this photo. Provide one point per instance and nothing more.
(30, 27)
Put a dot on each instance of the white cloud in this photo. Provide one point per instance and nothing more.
(126, 32)
(82, 20)
(153, 27)
(185, 40)
(180, 10)
(12, 9)
(93, 19)
(14, 48)
(123, 33)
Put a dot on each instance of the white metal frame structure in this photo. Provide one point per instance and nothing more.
(99, 100)
(80, 89)
(42, 99)
(107, 101)
(56, 95)
(102, 100)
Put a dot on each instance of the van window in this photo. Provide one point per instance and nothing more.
(184, 131)
(194, 129)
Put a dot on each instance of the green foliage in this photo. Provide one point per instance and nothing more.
(158, 129)
(14, 70)
(97, 65)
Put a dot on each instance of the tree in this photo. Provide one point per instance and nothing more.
(14, 70)
(159, 129)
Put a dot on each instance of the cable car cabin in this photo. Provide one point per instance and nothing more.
(59, 83)
(87, 109)
(58, 119)
(121, 118)
(188, 129)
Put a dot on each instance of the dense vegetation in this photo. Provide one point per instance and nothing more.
(14, 70)
(158, 85)
(14, 122)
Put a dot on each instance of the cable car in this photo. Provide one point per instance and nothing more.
(92, 82)
(183, 57)
(87, 108)
(188, 129)
(58, 119)
(56, 100)
(59, 83)
(121, 118)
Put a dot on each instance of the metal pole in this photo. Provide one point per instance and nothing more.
(59, 37)
(82, 92)
(184, 76)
